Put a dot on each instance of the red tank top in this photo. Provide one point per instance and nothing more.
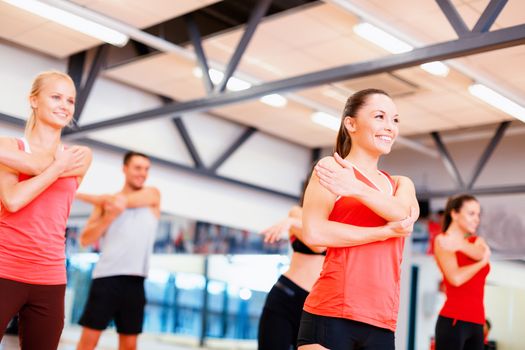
(465, 303)
(360, 283)
(32, 240)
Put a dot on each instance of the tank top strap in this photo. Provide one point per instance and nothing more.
(21, 144)
(393, 182)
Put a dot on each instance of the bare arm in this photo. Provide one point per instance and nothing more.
(474, 250)
(20, 161)
(145, 197)
(392, 208)
(100, 219)
(282, 228)
(296, 228)
(93, 199)
(337, 175)
(319, 231)
(291, 225)
(15, 195)
(448, 264)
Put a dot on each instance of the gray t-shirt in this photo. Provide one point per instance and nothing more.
(127, 245)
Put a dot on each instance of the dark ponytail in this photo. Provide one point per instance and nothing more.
(454, 204)
(343, 142)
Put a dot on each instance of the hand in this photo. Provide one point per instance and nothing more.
(69, 159)
(451, 242)
(338, 177)
(486, 255)
(402, 228)
(276, 232)
(115, 206)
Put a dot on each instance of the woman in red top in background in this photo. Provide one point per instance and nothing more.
(38, 180)
(362, 215)
(463, 258)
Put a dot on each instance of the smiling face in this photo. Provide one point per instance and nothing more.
(467, 218)
(375, 125)
(136, 171)
(54, 102)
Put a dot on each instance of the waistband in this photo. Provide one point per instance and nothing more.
(290, 288)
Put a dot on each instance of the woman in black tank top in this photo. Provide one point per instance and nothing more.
(279, 322)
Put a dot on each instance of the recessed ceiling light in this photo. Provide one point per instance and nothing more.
(71, 21)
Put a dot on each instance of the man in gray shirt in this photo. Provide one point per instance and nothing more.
(126, 224)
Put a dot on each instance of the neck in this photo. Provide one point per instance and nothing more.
(129, 189)
(44, 137)
(364, 160)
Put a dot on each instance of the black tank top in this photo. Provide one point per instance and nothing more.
(299, 247)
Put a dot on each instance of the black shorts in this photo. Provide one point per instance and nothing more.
(281, 315)
(458, 335)
(342, 334)
(118, 298)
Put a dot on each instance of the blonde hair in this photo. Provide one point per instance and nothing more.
(36, 87)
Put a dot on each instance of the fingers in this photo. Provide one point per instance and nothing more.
(342, 162)
(273, 233)
(323, 172)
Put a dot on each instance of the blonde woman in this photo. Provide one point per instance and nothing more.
(38, 180)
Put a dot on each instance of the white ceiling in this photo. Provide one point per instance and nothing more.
(298, 42)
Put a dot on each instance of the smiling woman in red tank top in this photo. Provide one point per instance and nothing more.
(463, 258)
(362, 215)
(38, 180)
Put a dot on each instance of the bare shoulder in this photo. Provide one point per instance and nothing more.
(153, 192)
(84, 149)
(152, 189)
(402, 179)
(8, 142)
(404, 183)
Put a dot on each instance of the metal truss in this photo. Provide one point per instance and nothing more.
(452, 169)
(204, 172)
(470, 44)
(76, 70)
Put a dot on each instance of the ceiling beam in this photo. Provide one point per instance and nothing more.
(196, 40)
(178, 166)
(255, 17)
(75, 68)
(488, 17)
(12, 120)
(449, 163)
(472, 44)
(96, 66)
(234, 147)
(190, 146)
(480, 191)
(498, 135)
(17, 122)
(454, 18)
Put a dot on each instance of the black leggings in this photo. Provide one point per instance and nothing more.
(458, 335)
(40, 310)
(343, 334)
(279, 323)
